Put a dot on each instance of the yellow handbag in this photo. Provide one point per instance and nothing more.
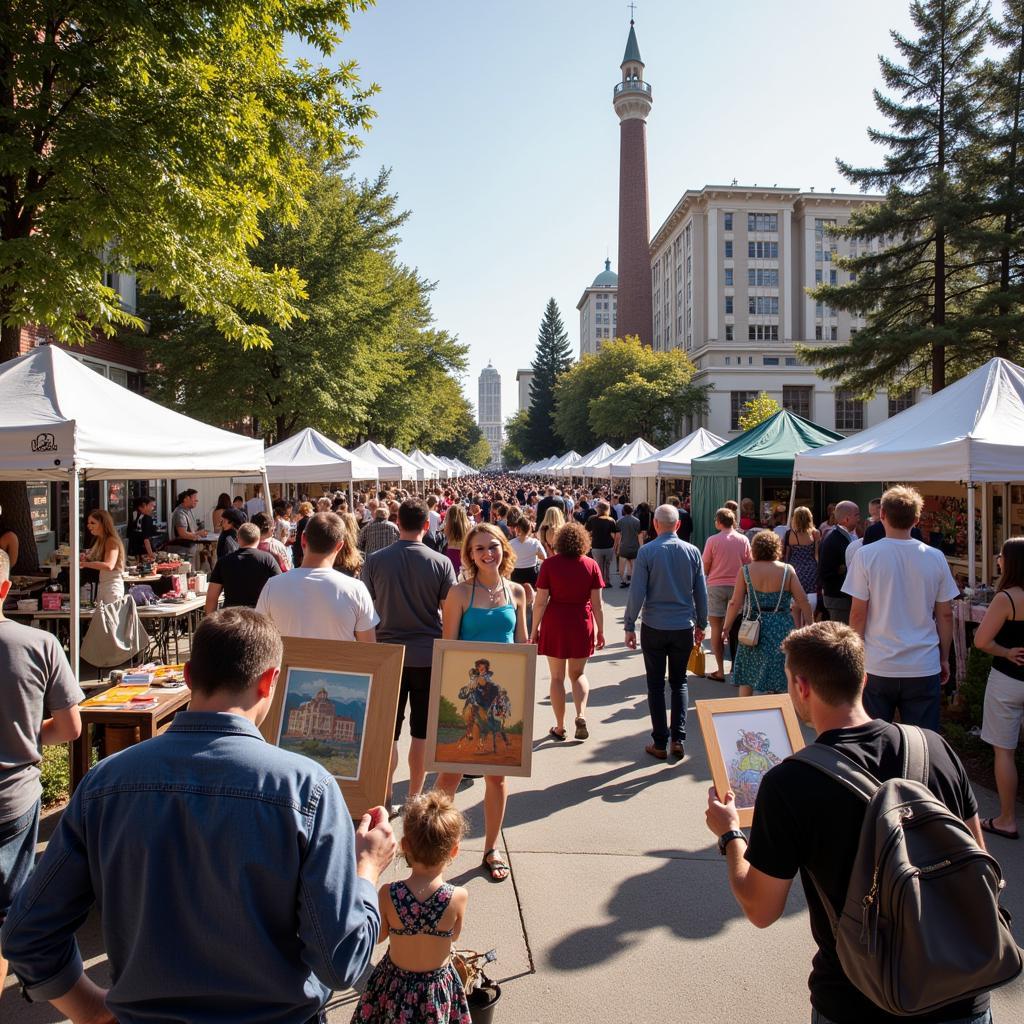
(695, 666)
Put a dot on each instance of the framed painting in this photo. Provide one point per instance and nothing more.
(745, 737)
(335, 702)
(481, 708)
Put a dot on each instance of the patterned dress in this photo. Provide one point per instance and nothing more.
(764, 667)
(396, 996)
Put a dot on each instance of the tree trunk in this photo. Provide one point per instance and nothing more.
(939, 350)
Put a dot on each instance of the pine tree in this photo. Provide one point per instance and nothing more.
(996, 166)
(920, 272)
(552, 359)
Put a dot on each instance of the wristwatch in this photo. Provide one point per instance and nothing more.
(728, 837)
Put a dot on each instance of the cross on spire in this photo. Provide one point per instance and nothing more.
(632, 11)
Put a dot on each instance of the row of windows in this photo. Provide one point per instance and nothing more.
(820, 335)
(763, 278)
(762, 222)
(763, 305)
(763, 332)
(849, 410)
(762, 250)
(832, 277)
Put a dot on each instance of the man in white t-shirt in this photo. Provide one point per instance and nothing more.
(433, 516)
(902, 592)
(317, 602)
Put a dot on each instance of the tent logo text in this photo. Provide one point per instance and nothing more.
(44, 443)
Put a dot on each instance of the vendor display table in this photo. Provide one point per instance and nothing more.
(150, 722)
(167, 616)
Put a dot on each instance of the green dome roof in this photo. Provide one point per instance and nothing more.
(607, 278)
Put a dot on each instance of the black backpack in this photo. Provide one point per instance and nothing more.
(921, 926)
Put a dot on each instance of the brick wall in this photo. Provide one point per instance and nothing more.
(634, 292)
(109, 349)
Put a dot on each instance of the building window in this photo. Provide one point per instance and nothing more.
(770, 360)
(849, 411)
(728, 305)
(833, 333)
(727, 222)
(763, 250)
(728, 277)
(728, 360)
(758, 278)
(763, 305)
(833, 277)
(737, 400)
(728, 249)
(763, 332)
(728, 337)
(762, 222)
(817, 276)
(797, 399)
(792, 361)
(900, 403)
(818, 336)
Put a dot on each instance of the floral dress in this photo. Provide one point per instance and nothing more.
(396, 996)
(764, 667)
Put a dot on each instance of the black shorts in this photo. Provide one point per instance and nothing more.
(416, 692)
(524, 576)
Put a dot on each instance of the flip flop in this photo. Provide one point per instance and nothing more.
(987, 826)
(556, 735)
(497, 868)
(717, 678)
(581, 728)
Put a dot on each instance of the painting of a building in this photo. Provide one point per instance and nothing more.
(318, 719)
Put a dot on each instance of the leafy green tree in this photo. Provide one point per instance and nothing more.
(624, 391)
(920, 272)
(553, 358)
(757, 410)
(516, 428)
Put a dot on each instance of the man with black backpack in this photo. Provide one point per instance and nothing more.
(882, 825)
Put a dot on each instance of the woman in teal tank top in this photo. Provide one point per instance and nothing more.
(487, 608)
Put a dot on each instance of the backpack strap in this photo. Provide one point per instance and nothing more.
(838, 766)
(915, 754)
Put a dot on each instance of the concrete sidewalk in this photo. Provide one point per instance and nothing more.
(618, 907)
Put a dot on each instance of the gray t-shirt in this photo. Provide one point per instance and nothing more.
(628, 528)
(408, 582)
(185, 518)
(35, 681)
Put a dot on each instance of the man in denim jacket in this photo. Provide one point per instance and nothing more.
(230, 883)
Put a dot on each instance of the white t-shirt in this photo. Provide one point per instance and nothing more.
(852, 548)
(318, 604)
(902, 581)
(435, 521)
(254, 505)
(526, 551)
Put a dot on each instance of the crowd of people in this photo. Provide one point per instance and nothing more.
(854, 621)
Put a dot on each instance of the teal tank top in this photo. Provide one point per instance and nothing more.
(489, 625)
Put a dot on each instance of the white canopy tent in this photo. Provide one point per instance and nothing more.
(412, 470)
(388, 466)
(564, 466)
(61, 421)
(971, 431)
(620, 463)
(602, 453)
(431, 470)
(673, 462)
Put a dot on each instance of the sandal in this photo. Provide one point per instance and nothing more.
(498, 868)
(987, 825)
(581, 728)
(555, 734)
(716, 677)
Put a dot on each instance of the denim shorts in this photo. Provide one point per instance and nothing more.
(17, 855)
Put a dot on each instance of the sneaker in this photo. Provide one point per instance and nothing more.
(657, 752)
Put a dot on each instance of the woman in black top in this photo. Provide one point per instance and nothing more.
(142, 529)
(305, 514)
(227, 541)
(1001, 634)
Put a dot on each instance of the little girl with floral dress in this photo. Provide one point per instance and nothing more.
(415, 982)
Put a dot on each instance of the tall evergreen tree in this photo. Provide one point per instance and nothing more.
(553, 358)
(920, 272)
(996, 168)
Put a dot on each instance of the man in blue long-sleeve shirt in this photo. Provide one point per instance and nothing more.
(230, 883)
(669, 585)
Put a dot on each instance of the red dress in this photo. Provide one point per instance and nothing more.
(567, 629)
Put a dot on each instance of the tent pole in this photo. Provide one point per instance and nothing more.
(792, 495)
(75, 584)
(970, 536)
(739, 491)
(986, 533)
(266, 495)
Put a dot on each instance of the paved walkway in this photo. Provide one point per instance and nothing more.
(618, 906)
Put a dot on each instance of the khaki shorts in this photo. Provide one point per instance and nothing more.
(718, 600)
(1004, 711)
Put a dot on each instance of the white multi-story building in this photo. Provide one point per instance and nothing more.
(489, 412)
(524, 378)
(598, 311)
(730, 269)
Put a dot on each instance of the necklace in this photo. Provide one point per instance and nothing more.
(493, 592)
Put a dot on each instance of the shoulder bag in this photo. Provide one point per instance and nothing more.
(750, 629)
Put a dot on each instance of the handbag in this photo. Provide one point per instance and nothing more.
(696, 665)
(750, 629)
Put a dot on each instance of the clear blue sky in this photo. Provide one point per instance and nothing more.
(497, 122)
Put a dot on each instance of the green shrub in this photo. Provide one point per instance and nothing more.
(55, 774)
(972, 692)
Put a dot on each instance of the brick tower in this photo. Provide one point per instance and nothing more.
(632, 101)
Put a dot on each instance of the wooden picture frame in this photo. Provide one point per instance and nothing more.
(764, 731)
(460, 730)
(316, 712)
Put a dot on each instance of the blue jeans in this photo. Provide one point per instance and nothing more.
(17, 855)
(917, 699)
(671, 648)
(981, 1018)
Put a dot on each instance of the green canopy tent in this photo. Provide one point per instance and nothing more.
(764, 452)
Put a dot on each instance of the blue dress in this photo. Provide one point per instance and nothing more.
(764, 667)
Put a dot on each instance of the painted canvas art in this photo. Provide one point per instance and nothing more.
(481, 710)
(324, 717)
(752, 743)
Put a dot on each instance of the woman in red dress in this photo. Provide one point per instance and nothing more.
(565, 613)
